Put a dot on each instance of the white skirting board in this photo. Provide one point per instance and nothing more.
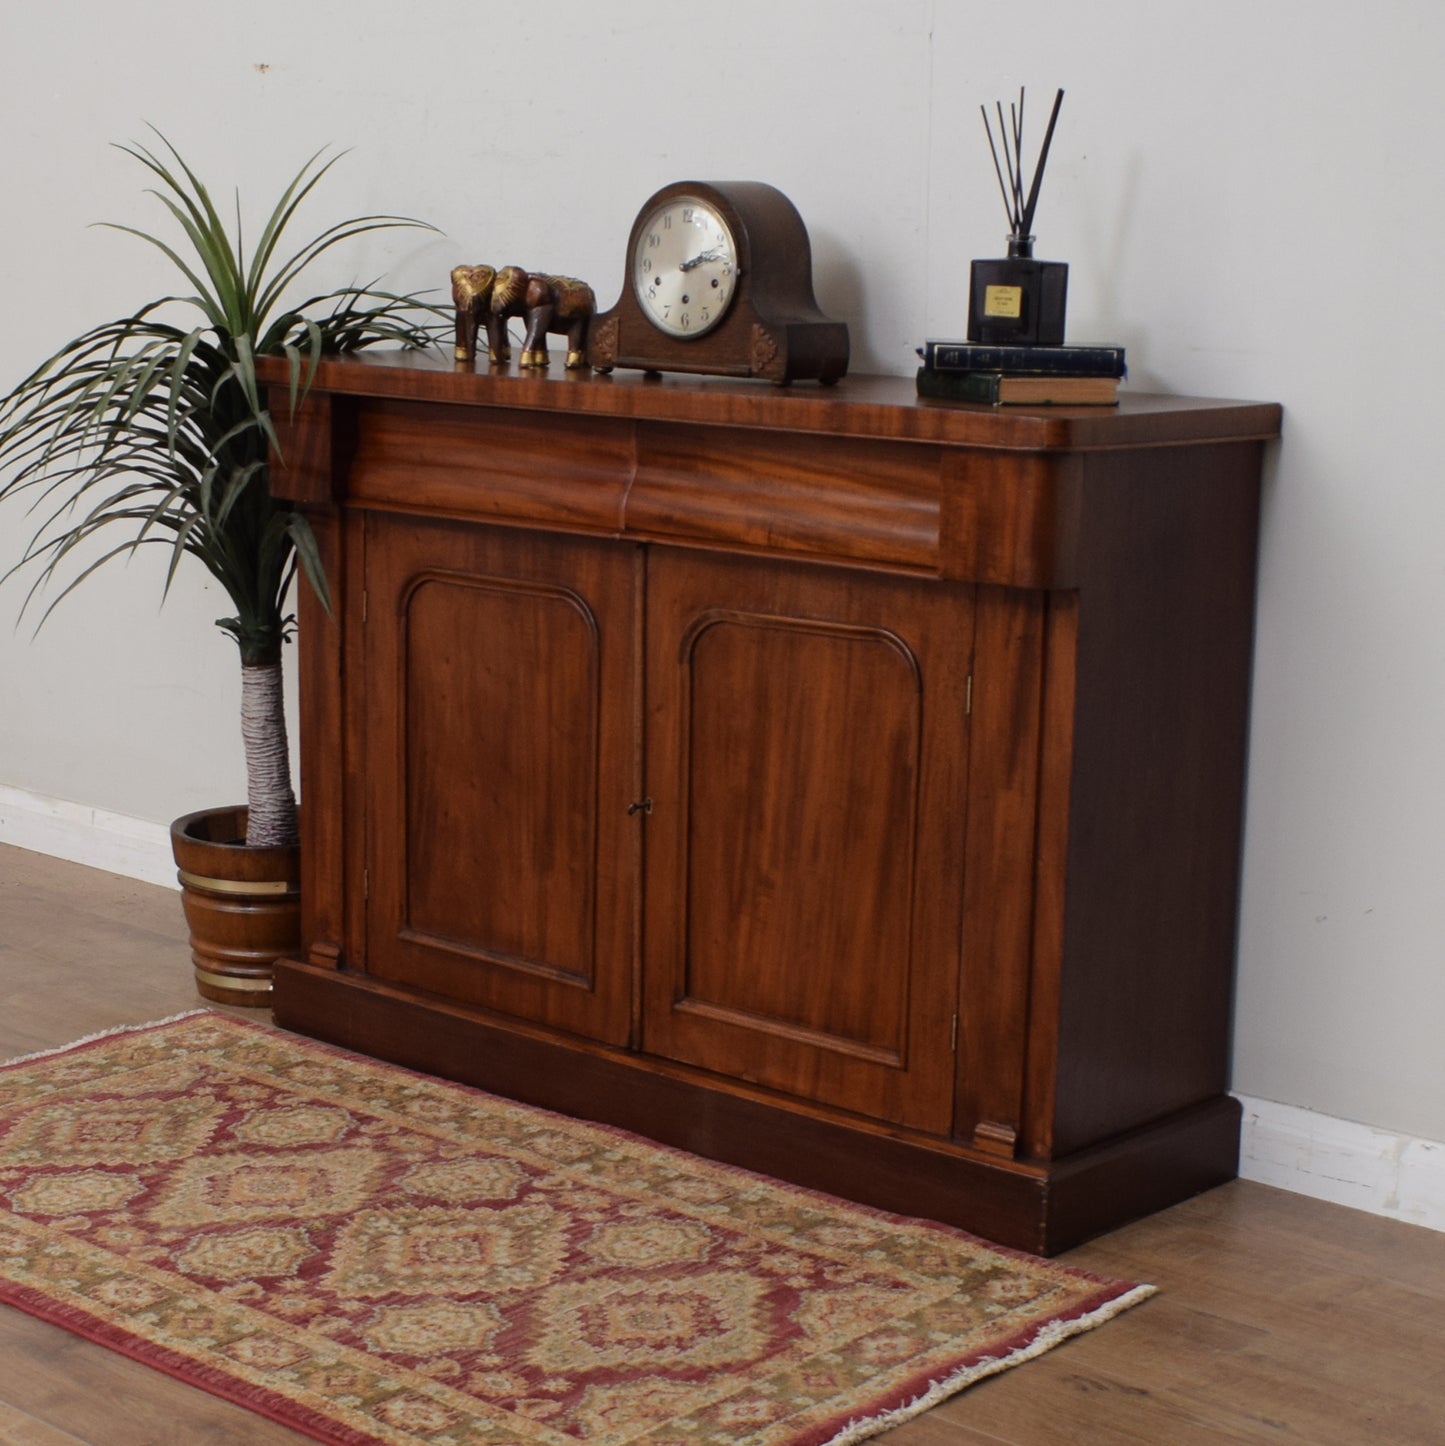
(1282, 1145)
(1348, 1163)
(135, 848)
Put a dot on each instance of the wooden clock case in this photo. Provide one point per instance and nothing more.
(840, 784)
(773, 328)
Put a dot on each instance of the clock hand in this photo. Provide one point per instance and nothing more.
(712, 254)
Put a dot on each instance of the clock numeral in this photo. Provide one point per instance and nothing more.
(646, 264)
(652, 293)
(705, 314)
(687, 215)
(653, 239)
(685, 321)
(667, 222)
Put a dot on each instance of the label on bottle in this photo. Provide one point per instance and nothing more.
(1003, 301)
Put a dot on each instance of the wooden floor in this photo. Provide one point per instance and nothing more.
(1280, 1319)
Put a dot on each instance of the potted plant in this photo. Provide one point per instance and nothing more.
(153, 429)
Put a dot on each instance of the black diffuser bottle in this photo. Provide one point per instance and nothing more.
(1017, 300)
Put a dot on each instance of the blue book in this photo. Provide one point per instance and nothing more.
(1052, 361)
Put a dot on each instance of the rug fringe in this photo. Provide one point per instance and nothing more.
(103, 1034)
(1045, 1340)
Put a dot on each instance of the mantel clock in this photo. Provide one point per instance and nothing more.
(718, 279)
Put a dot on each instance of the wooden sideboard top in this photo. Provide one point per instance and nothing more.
(858, 406)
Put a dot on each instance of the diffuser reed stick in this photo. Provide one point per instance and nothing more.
(1020, 211)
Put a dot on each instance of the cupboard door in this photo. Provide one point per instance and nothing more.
(806, 756)
(501, 759)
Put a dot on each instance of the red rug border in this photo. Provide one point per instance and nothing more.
(873, 1416)
(214, 1380)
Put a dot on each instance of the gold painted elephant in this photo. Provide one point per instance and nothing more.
(560, 304)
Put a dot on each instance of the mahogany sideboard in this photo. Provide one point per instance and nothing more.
(839, 784)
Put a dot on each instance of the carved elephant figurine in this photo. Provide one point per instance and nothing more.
(559, 304)
(472, 298)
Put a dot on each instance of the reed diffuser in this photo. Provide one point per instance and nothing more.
(1017, 300)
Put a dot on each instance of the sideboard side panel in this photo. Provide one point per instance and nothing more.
(1165, 628)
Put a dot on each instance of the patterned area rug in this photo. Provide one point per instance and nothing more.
(370, 1255)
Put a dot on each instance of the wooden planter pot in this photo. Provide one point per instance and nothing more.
(243, 905)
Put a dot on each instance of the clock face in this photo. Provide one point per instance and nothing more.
(684, 267)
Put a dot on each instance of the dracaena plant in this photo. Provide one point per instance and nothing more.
(153, 429)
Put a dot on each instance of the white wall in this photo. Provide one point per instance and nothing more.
(1248, 194)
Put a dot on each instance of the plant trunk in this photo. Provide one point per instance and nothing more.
(270, 802)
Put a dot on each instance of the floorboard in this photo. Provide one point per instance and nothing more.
(1280, 1319)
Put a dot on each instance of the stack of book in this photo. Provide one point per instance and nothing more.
(1072, 376)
